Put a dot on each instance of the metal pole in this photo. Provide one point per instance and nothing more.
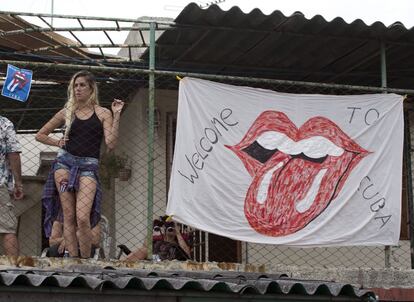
(53, 8)
(247, 253)
(410, 203)
(151, 95)
(206, 247)
(383, 66)
(173, 74)
(387, 249)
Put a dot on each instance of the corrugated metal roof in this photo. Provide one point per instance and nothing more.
(23, 45)
(228, 282)
(48, 91)
(286, 47)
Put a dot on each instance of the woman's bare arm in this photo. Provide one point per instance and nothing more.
(110, 122)
(55, 122)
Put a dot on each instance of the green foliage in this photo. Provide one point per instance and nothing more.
(110, 165)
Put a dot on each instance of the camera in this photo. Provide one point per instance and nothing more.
(170, 226)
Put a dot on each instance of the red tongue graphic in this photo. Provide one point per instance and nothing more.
(289, 184)
(274, 212)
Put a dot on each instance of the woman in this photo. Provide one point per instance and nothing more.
(74, 173)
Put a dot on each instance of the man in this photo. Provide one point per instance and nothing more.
(168, 243)
(11, 186)
(57, 241)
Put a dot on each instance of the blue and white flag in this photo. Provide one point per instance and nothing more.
(17, 84)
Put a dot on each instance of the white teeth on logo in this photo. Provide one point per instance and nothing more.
(304, 204)
(264, 184)
(313, 147)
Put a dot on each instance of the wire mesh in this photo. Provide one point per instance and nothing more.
(123, 174)
(216, 248)
(122, 205)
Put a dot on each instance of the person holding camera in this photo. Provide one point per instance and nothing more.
(168, 243)
(174, 246)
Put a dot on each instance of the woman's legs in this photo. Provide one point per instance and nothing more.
(84, 202)
(67, 200)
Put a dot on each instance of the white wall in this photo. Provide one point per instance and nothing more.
(30, 152)
(131, 196)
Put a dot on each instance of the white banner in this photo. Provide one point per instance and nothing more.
(289, 169)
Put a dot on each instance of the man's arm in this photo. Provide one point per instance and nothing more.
(13, 158)
(16, 169)
(138, 254)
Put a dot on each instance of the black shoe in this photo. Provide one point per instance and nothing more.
(123, 248)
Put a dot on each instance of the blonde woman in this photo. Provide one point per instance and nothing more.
(73, 183)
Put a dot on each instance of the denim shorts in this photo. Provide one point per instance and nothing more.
(76, 160)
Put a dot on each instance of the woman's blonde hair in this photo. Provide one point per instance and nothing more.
(71, 105)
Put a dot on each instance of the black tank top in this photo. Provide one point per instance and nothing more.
(85, 137)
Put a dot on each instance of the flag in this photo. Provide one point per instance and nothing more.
(289, 169)
(17, 83)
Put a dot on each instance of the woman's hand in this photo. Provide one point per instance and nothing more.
(62, 142)
(117, 106)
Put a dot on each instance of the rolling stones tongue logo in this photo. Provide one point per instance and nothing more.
(296, 172)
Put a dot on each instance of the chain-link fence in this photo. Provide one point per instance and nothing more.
(123, 174)
(134, 166)
(216, 248)
(122, 171)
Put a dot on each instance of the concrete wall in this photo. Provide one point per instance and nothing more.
(30, 152)
(30, 222)
(352, 256)
(131, 196)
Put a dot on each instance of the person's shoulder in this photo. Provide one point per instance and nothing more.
(102, 111)
(4, 119)
(5, 122)
(61, 114)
